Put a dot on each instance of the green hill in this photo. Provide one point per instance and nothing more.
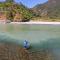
(11, 8)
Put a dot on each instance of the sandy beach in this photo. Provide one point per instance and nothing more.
(35, 23)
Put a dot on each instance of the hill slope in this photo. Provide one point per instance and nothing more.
(50, 9)
(14, 11)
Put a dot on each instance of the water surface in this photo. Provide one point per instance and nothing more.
(39, 36)
(34, 33)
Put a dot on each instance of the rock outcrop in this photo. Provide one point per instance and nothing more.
(53, 2)
(50, 9)
(3, 16)
(13, 52)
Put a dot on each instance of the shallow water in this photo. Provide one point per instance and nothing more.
(35, 34)
(39, 36)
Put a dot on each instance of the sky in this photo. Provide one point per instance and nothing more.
(30, 3)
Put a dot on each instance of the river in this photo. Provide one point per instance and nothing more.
(39, 35)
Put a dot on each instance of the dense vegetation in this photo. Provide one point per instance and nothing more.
(11, 8)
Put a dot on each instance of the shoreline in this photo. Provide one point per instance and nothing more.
(49, 23)
(53, 23)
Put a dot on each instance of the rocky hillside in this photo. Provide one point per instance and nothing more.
(10, 10)
(50, 9)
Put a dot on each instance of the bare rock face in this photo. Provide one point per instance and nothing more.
(53, 2)
(49, 9)
(2, 16)
(12, 52)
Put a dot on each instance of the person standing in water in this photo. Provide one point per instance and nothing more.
(26, 44)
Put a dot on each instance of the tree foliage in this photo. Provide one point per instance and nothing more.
(13, 8)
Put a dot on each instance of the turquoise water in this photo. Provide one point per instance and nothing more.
(39, 36)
